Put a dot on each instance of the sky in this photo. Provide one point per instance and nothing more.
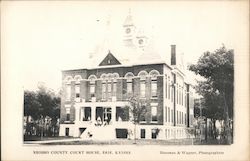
(39, 39)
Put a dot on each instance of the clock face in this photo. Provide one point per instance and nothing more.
(140, 41)
(128, 30)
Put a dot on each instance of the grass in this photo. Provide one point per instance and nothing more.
(39, 138)
(129, 142)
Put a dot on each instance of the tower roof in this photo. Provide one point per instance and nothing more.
(129, 20)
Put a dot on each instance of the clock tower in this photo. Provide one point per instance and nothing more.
(129, 30)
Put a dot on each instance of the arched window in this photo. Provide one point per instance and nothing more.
(143, 75)
(129, 78)
(92, 79)
(77, 79)
(68, 79)
(153, 75)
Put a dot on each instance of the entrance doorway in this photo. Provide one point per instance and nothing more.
(104, 114)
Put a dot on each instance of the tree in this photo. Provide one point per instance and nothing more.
(44, 107)
(137, 108)
(218, 88)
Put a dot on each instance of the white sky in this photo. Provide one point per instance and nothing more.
(39, 39)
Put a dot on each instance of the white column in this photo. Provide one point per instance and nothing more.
(113, 114)
(82, 113)
(77, 113)
(93, 113)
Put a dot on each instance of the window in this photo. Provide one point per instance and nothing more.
(66, 131)
(172, 93)
(68, 92)
(169, 87)
(114, 88)
(143, 89)
(168, 114)
(77, 90)
(109, 90)
(154, 113)
(104, 86)
(185, 119)
(177, 116)
(143, 133)
(122, 114)
(154, 88)
(67, 114)
(86, 114)
(129, 88)
(92, 89)
(182, 118)
(166, 87)
(172, 116)
(154, 134)
(177, 93)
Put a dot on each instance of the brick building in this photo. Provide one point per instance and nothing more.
(94, 98)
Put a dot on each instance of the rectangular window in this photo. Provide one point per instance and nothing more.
(154, 113)
(129, 87)
(172, 93)
(143, 133)
(68, 92)
(168, 114)
(185, 119)
(122, 114)
(104, 91)
(154, 88)
(66, 131)
(154, 134)
(182, 118)
(142, 88)
(87, 114)
(92, 89)
(177, 93)
(166, 88)
(68, 117)
(77, 90)
(67, 114)
(169, 87)
(114, 88)
(172, 116)
(109, 90)
(177, 117)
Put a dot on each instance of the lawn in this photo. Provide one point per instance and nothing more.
(129, 142)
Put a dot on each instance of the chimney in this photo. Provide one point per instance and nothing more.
(173, 55)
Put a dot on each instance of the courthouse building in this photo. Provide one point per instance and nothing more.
(95, 98)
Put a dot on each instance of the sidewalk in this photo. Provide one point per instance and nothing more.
(52, 141)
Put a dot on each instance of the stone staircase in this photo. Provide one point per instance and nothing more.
(98, 133)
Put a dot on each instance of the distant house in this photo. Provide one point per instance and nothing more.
(94, 97)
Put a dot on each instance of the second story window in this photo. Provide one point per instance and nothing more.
(77, 90)
(129, 86)
(114, 88)
(67, 114)
(154, 113)
(68, 92)
(154, 88)
(104, 86)
(109, 90)
(92, 89)
(142, 88)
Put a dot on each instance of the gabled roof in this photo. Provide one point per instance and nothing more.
(109, 60)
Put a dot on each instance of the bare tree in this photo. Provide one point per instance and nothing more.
(137, 108)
